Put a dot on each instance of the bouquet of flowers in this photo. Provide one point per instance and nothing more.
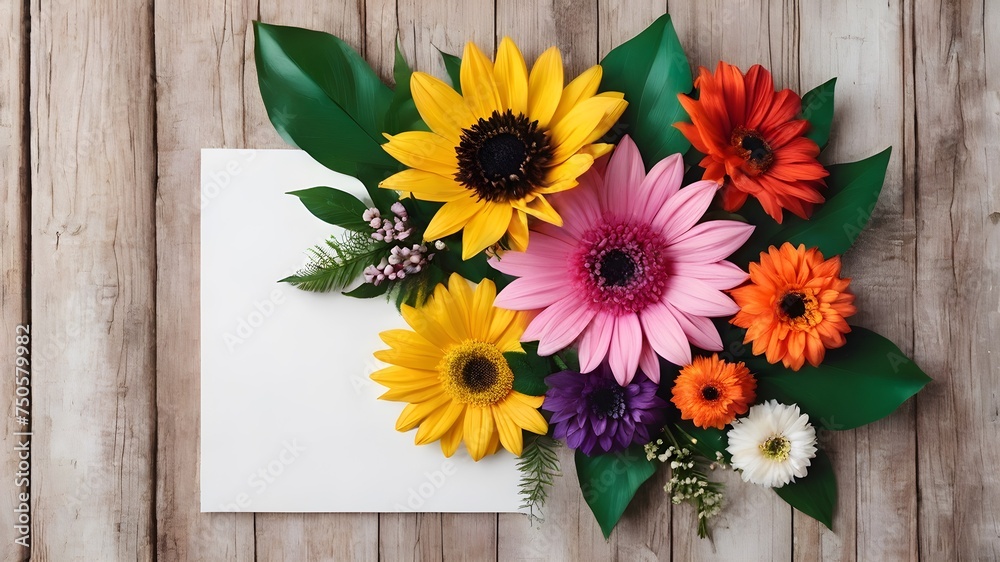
(636, 263)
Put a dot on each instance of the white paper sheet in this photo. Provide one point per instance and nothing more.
(289, 418)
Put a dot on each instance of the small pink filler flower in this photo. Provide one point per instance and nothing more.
(631, 274)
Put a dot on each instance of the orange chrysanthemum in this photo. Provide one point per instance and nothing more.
(712, 392)
(794, 306)
(753, 142)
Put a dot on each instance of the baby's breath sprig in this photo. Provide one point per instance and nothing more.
(688, 481)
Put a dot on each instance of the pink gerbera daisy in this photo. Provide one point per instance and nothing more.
(631, 274)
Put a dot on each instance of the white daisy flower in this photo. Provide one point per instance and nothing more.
(772, 445)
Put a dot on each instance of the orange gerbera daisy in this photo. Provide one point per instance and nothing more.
(753, 143)
(794, 306)
(712, 392)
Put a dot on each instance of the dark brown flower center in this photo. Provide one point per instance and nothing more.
(710, 393)
(479, 374)
(502, 158)
(752, 147)
(617, 268)
(793, 305)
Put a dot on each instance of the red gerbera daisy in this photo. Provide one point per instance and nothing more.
(753, 143)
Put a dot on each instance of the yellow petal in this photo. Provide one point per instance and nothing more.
(609, 120)
(442, 108)
(423, 151)
(426, 185)
(494, 444)
(590, 118)
(427, 326)
(452, 437)
(523, 409)
(479, 431)
(507, 328)
(413, 414)
(479, 87)
(580, 88)
(512, 77)
(484, 228)
(540, 209)
(410, 341)
(569, 170)
(545, 84)
(481, 318)
(460, 308)
(395, 374)
(412, 394)
(517, 232)
(510, 433)
(596, 150)
(406, 358)
(434, 427)
(451, 217)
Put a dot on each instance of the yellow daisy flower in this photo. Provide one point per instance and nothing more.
(495, 150)
(451, 371)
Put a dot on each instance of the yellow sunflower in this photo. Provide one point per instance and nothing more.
(451, 371)
(495, 150)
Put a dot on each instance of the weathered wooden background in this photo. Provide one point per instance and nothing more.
(104, 105)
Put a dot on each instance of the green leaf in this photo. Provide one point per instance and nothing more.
(539, 466)
(453, 66)
(706, 441)
(609, 482)
(852, 192)
(402, 114)
(335, 207)
(857, 384)
(336, 264)
(817, 108)
(368, 291)
(651, 69)
(529, 369)
(569, 358)
(816, 494)
(322, 97)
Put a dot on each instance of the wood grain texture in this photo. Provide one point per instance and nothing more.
(958, 272)
(199, 103)
(14, 256)
(92, 286)
(104, 107)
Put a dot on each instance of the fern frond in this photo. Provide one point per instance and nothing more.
(539, 465)
(337, 263)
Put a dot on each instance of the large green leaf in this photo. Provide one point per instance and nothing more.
(453, 66)
(322, 97)
(851, 194)
(335, 207)
(707, 441)
(855, 385)
(529, 369)
(651, 69)
(402, 114)
(817, 108)
(609, 482)
(816, 494)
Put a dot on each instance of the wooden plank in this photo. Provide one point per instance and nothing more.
(199, 59)
(956, 47)
(93, 280)
(328, 536)
(863, 45)
(14, 267)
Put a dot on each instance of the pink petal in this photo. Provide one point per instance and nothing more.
(595, 341)
(650, 363)
(665, 335)
(697, 298)
(699, 330)
(533, 292)
(558, 325)
(545, 254)
(626, 347)
(683, 210)
(622, 179)
(718, 275)
(579, 207)
(662, 182)
(708, 242)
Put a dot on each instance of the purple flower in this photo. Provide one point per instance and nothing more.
(596, 415)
